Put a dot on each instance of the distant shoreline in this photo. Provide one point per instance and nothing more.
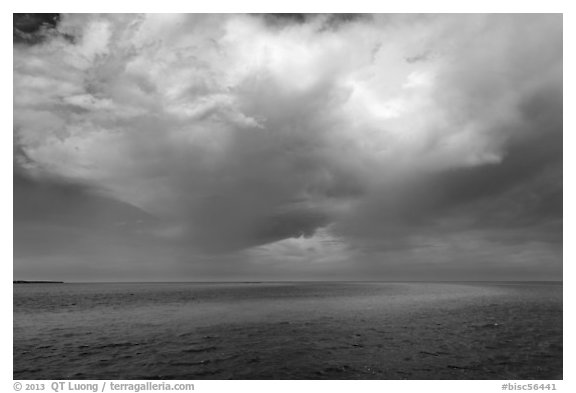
(36, 282)
(498, 282)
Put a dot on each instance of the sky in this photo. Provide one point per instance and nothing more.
(225, 147)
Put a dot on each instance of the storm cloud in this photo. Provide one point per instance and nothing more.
(401, 146)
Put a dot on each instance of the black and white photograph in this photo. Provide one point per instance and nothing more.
(288, 196)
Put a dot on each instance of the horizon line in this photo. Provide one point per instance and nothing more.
(266, 281)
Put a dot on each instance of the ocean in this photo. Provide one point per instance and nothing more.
(288, 330)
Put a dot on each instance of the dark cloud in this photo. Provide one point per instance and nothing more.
(46, 198)
(323, 145)
(32, 23)
(329, 21)
(517, 199)
(68, 203)
(33, 28)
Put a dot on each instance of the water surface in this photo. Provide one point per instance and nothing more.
(288, 331)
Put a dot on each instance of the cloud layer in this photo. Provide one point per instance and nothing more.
(252, 133)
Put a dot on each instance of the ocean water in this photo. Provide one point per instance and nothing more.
(344, 330)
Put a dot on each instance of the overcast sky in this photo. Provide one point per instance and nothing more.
(259, 147)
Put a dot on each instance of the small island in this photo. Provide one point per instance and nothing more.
(36, 282)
